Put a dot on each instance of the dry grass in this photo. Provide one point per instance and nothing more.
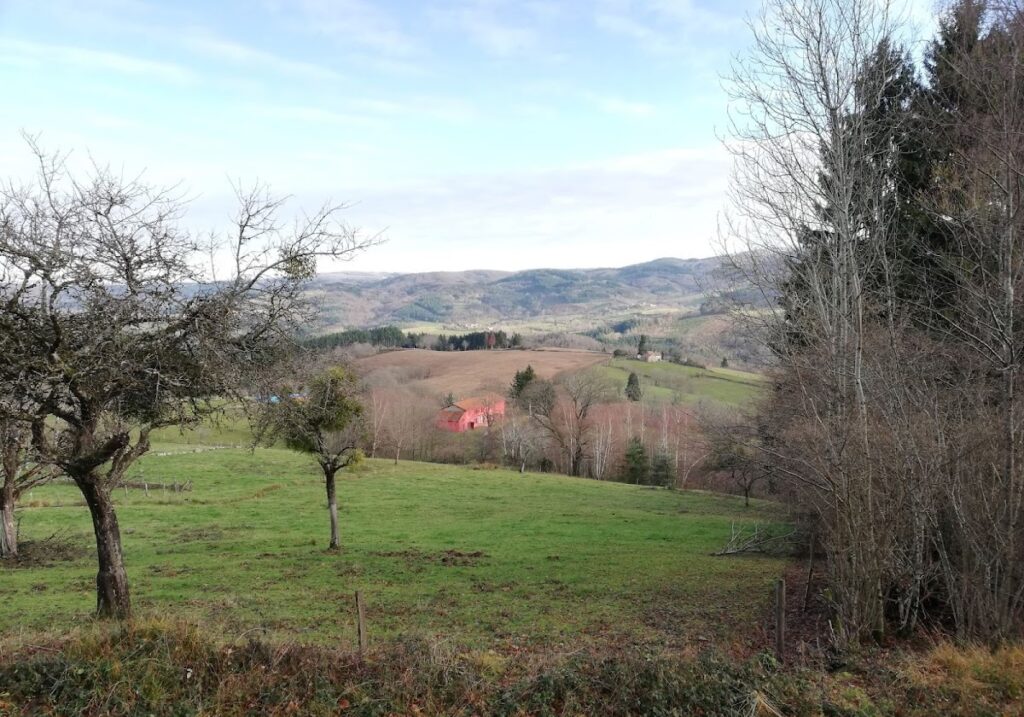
(466, 373)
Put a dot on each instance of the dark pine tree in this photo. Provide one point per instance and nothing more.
(633, 390)
(637, 468)
(521, 380)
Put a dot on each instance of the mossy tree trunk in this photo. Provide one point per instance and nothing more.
(8, 528)
(112, 596)
(332, 506)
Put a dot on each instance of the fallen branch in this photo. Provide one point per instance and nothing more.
(757, 541)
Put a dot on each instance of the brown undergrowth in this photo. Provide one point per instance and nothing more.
(157, 667)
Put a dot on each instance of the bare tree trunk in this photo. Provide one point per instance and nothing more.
(112, 598)
(332, 506)
(576, 461)
(8, 528)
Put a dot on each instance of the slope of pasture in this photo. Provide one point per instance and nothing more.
(663, 381)
(465, 373)
(481, 557)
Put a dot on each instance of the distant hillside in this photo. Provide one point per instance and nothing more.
(561, 299)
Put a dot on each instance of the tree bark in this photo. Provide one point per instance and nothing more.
(112, 598)
(332, 506)
(8, 528)
(576, 461)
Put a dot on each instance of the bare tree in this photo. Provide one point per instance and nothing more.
(812, 208)
(110, 326)
(734, 448)
(377, 418)
(565, 415)
(521, 444)
(411, 419)
(982, 213)
(20, 473)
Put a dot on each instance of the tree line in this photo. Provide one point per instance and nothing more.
(392, 337)
(878, 199)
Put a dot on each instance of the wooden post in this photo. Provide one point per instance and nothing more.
(780, 619)
(810, 573)
(361, 622)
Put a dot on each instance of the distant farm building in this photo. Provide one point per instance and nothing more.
(470, 414)
(649, 356)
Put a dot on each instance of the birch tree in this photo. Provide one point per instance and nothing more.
(810, 211)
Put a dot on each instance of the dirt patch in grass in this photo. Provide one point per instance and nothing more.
(193, 535)
(58, 548)
(169, 571)
(450, 557)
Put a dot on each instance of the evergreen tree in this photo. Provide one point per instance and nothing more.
(642, 346)
(725, 362)
(633, 391)
(521, 380)
(636, 466)
(662, 471)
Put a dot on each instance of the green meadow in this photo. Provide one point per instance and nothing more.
(686, 385)
(485, 558)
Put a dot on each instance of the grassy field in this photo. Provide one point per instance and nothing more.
(663, 381)
(489, 593)
(482, 557)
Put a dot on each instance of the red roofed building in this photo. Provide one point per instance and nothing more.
(470, 413)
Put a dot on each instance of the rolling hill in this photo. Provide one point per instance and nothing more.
(556, 297)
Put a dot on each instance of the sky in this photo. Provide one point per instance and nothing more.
(471, 134)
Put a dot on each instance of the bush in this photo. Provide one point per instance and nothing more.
(167, 669)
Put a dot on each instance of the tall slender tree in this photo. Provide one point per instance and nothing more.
(633, 390)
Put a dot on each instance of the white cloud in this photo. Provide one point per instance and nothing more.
(309, 114)
(439, 107)
(479, 20)
(668, 27)
(613, 212)
(98, 60)
(244, 55)
(502, 28)
(355, 22)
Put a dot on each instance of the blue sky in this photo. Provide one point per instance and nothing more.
(474, 133)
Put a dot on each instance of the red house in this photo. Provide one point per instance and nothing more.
(470, 413)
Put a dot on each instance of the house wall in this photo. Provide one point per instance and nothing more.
(477, 417)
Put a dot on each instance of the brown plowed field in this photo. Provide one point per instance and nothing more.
(466, 373)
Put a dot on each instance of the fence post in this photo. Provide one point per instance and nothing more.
(361, 622)
(780, 619)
